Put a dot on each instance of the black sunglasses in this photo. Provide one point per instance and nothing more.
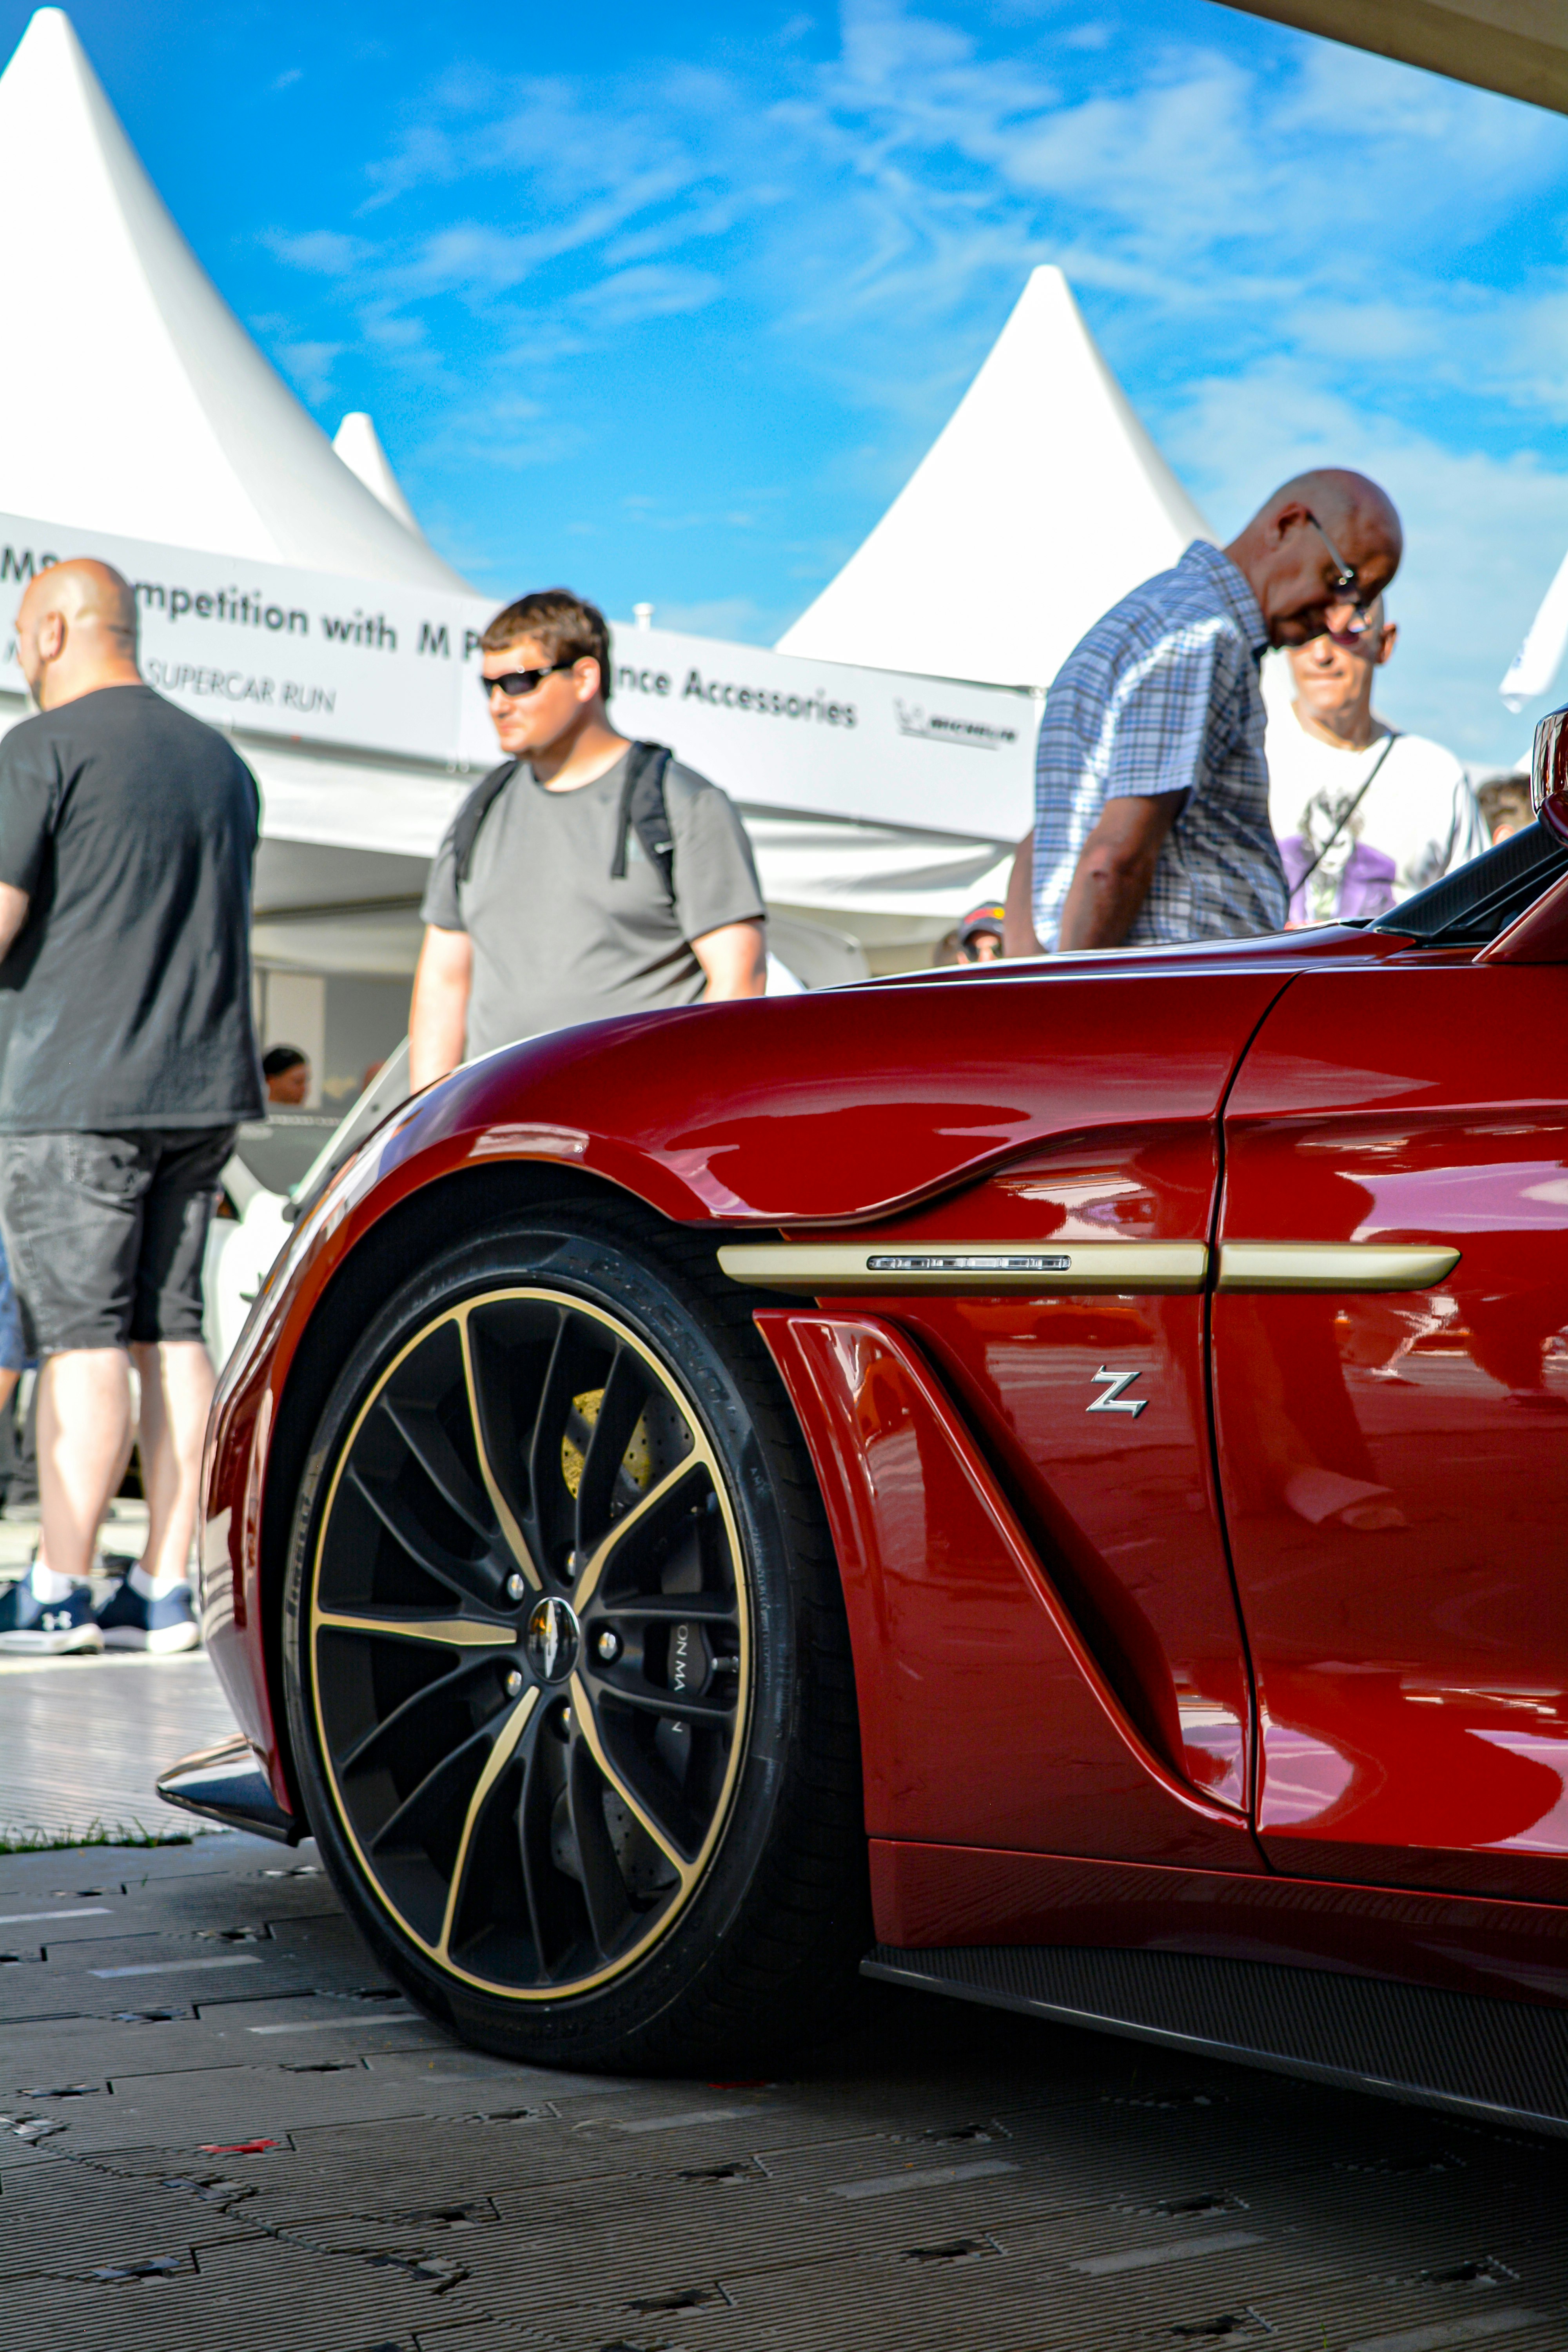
(1347, 583)
(513, 682)
(1347, 589)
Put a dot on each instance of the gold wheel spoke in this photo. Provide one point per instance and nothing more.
(394, 1624)
(587, 1730)
(609, 1544)
(517, 1542)
(502, 1750)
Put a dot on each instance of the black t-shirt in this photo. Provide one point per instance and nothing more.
(125, 999)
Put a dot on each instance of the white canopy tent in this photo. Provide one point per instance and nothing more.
(872, 839)
(1041, 502)
(202, 444)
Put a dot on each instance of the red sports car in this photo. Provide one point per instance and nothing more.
(1046, 1480)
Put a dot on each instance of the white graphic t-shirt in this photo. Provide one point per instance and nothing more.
(1347, 859)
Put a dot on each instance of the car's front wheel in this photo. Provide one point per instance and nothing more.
(567, 1667)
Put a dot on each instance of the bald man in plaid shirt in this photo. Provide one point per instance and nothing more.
(1151, 789)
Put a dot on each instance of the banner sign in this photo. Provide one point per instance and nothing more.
(271, 650)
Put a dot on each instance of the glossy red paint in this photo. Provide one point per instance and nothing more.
(1538, 936)
(1395, 1469)
(1120, 1506)
(841, 1107)
(1052, 1682)
(985, 1718)
(929, 1897)
(792, 1111)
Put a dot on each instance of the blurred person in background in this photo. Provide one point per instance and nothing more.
(1151, 792)
(979, 934)
(1364, 814)
(288, 1075)
(584, 876)
(1505, 805)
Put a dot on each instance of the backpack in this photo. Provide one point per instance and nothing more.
(642, 812)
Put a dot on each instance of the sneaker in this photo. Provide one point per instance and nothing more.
(47, 1629)
(129, 1621)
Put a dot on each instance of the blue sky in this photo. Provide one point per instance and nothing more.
(669, 302)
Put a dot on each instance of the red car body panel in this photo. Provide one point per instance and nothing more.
(1056, 1664)
(965, 1657)
(1395, 1469)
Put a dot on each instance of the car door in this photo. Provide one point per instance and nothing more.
(1390, 1367)
(1029, 1349)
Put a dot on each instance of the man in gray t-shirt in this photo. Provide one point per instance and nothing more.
(553, 911)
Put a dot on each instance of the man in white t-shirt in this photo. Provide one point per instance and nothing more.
(1364, 814)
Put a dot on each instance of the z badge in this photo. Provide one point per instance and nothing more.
(1112, 1399)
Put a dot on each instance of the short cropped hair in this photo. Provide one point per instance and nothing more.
(567, 626)
(280, 1059)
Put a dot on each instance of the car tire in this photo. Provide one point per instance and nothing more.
(565, 1660)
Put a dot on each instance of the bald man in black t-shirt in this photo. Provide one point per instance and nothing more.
(128, 832)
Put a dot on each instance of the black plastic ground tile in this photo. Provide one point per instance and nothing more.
(330, 2171)
(111, 1904)
(366, 2019)
(156, 2035)
(740, 2226)
(130, 1971)
(1101, 2145)
(246, 2299)
(77, 2220)
(1370, 2315)
(385, 2284)
(455, 2064)
(322, 2087)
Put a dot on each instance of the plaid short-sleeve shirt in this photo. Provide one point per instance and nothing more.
(1162, 696)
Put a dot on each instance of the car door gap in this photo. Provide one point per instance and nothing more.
(1254, 1734)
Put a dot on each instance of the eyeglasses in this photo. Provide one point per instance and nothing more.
(1346, 588)
(515, 682)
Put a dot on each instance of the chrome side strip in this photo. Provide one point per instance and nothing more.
(1045, 1268)
(1333, 1266)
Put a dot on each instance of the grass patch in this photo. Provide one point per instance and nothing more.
(18, 1838)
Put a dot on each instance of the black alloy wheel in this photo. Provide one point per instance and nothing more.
(554, 1649)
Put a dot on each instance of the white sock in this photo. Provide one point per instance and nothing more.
(153, 1588)
(47, 1586)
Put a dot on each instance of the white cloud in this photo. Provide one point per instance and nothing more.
(326, 251)
(650, 291)
(1289, 249)
(1483, 536)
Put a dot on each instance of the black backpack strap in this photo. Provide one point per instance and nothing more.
(642, 810)
(472, 815)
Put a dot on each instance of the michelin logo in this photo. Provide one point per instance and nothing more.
(913, 720)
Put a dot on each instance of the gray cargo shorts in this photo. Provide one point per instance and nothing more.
(105, 1233)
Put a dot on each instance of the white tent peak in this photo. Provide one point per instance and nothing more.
(1040, 503)
(358, 443)
(146, 410)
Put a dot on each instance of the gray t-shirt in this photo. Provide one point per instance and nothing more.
(125, 999)
(557, 939)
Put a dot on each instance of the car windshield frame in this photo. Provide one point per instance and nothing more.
(1475, 904)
